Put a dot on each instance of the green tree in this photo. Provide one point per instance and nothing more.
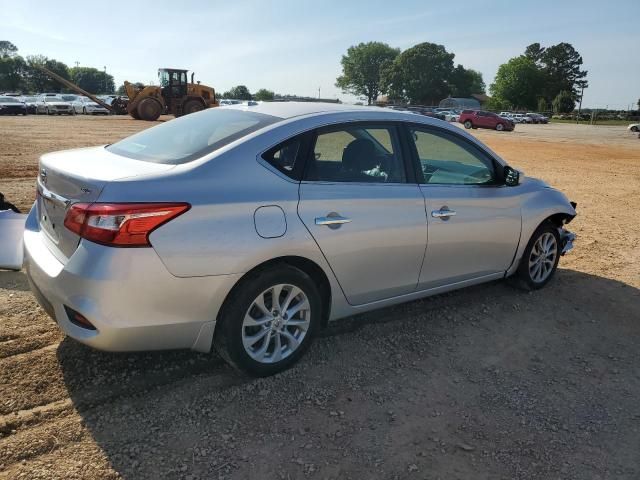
(564, 102)
(11, 73)
(542, 104)
(7, 49)
(420, 74)
(92, 80)
(240, 92)
(363, 67)
(561, 68)
(534, 52)
(37, 80)
(518, 83)
(264, 94)
(464, 82)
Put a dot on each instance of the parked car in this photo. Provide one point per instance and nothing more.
(449, 116)
(482, 119)
(522, 118)
(249, 228)
(12, 106)
(31, 103)
(87, 106)
(634, 127)
(537, 118)
(57, 106)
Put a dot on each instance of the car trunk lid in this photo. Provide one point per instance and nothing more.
(72, 176)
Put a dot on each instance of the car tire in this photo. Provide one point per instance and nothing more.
(540, 259)
(634, 129)
(48, 112)
(235, 328)
(468, 124)
(84, 110)
(499, 127)
(192, 106)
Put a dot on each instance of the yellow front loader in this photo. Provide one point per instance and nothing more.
(174, 95)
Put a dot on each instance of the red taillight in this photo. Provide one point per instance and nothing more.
(120, 224)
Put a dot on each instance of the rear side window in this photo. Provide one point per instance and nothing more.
(285, 157)
(357, 153)
(192, 136)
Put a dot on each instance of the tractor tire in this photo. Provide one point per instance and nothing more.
(149, 109)
(192, 106)
(134, 114)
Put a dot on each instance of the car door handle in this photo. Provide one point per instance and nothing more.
(332, 220)
(444, 213)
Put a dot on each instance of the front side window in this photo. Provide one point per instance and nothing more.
(356, 153)
(446, 160)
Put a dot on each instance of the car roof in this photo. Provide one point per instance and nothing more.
(295, 109)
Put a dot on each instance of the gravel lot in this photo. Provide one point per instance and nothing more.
(487, 382)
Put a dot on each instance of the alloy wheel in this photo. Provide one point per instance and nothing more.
(543, 257)
(276, 323)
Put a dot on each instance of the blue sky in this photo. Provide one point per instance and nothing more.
(295, 47)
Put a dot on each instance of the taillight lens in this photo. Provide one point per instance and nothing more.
(120, 224)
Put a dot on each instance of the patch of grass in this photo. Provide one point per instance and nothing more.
(597, 122)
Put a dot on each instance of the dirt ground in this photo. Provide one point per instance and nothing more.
(484, 383)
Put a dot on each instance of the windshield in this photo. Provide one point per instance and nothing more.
(31, 99)
(190, 137)
(69, 98)
(8, 100)
(52, 99)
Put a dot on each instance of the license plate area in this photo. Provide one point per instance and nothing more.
(50, 212)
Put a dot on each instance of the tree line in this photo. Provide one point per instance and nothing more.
(422, 74)
(425, 74)
(18, 74)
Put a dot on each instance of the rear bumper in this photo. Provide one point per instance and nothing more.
(127, 294)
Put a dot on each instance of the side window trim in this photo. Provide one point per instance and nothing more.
(397, 140)
(415, 157)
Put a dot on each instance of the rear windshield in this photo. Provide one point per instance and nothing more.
(192, 136)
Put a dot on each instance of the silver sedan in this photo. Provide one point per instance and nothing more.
(247, 228)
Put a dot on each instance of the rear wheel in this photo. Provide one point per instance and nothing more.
(540, 259)
(468, 124)
(192, 106)
(634, 129)
(149, 109)
(269, 321)
(499, 127)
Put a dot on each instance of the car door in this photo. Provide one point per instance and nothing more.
(474, 219)
(358, 201)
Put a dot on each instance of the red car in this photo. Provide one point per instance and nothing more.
(482, 119)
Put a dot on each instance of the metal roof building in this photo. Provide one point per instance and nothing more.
(460, 103)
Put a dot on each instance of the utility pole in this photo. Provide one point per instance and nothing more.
(77, 63)
(318, 93)
(580, 105)
(105, 79)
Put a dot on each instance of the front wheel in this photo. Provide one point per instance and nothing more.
(499, 127)
(540, 259)
(192, 106)
(634, 129)
(269, 321)
(468, 124)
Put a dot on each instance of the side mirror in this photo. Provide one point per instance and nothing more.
(511, 177)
